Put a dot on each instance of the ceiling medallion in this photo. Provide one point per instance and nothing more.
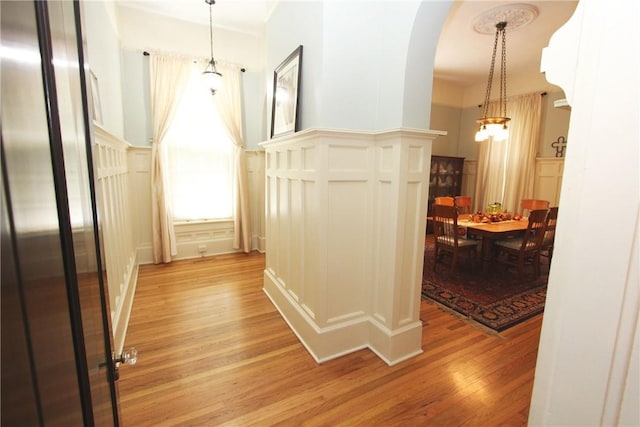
(516, 15)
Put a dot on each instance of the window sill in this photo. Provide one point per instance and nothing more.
(202, 222)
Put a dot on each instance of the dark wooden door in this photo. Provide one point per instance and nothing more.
(56, 350)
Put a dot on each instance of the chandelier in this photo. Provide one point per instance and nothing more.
(211, 76)
(495, 127)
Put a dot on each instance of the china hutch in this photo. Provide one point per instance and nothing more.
(445, 178)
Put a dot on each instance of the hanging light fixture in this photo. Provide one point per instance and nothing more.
(213, 79)
(496, 126)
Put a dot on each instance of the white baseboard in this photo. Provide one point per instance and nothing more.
(329, 343)
(145, 254)
(260, 244)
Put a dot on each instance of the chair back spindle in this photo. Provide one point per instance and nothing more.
(447, 235)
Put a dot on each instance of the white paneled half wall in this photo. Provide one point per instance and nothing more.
(345, 225)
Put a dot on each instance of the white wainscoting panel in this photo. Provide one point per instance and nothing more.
(194, 239)
(469, 173)
(255, 170)
(140, 195)
(345, 225)
(116, 229)
(203, 238)
(548, 179)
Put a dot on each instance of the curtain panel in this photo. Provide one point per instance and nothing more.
(229, 103)
(169, 75)
(521, 160)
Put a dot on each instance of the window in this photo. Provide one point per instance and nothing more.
(199, 157)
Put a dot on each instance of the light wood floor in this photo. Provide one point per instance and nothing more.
(213, 350)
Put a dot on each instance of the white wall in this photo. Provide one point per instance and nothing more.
(362, 84)
(426, 29)
(254, 111)
(135, 89)
(355, 72)
(291, 24)
(587, 367)
(103, 56)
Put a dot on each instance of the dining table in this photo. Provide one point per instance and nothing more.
(490, 232)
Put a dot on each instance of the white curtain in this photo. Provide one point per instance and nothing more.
(506, 168)
(521, 160)
(229, 102)
(490, 174)
(169, 75)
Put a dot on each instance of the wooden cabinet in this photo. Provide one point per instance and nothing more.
(445, 178)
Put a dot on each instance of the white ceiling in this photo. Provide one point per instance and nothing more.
(463, 56)
(246, 16)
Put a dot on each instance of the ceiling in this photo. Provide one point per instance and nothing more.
(246, 16)
(463, 55)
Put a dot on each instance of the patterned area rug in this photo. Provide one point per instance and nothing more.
(497, 299)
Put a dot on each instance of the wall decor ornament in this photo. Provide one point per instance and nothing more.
(286, 95)
(560, 145)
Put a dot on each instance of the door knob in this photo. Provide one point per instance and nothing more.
(129, 356)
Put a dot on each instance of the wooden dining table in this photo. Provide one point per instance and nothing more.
(490, 232)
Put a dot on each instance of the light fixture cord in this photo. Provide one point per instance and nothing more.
(487, 94)
(213, 63)
(503, 74)
(500, 28)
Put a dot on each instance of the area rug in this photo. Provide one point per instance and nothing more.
(497, 299)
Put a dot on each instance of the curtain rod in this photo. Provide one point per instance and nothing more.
(145, 53)
(541, 94)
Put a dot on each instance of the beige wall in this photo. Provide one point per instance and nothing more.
(555, 124)
(450, 113)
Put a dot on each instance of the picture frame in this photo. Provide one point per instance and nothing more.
(96, 105)
(285, 104)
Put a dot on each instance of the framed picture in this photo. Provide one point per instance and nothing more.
(96, 106)
(286, 94)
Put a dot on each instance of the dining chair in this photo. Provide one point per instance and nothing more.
(533, 204)
(546, 247)
(519, 250)
(447, 236)
(445, 200)
(463, 203)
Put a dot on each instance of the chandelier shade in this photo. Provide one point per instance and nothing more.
(212, 78)
(496, 127)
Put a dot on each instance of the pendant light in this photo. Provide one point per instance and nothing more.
(213, 79)
(496, 126)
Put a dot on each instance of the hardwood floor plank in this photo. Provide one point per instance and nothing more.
(213, 350)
